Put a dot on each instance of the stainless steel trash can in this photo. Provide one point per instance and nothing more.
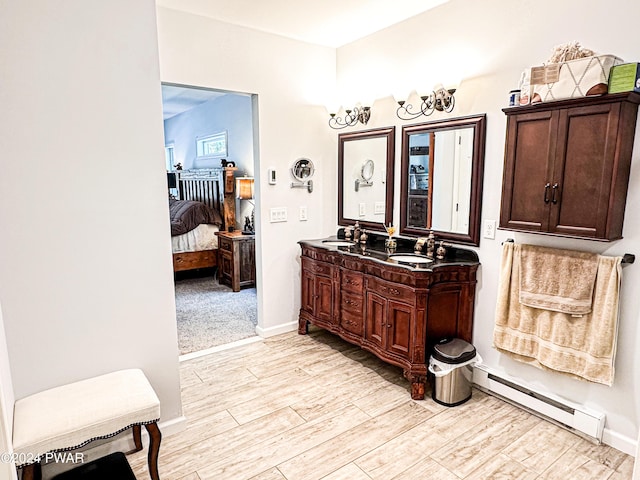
(451, 365)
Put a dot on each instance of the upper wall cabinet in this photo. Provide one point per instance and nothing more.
(566, 167)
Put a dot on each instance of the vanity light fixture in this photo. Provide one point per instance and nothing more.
(351, 118)
(440, 99)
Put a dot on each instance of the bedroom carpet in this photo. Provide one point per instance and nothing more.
(210, 314)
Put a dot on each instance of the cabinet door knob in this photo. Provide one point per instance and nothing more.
(553, 195)
(546, 192)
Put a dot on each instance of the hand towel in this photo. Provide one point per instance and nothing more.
(583, 347)
(558, 280)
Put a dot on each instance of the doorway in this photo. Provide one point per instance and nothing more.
(203, 127)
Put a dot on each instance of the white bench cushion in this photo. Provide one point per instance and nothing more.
(70, 416)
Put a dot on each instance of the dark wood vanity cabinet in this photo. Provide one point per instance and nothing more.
(395, 312)
(318, 291)
(566, 167)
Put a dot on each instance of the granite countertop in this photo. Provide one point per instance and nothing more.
(375, 250)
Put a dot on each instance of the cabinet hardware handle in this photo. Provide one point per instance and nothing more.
(546, 193)
(553, 196)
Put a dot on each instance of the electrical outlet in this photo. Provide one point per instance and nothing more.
(489, 229)
(378, 208)
(278, 214)
(363, 209)
(302, 214)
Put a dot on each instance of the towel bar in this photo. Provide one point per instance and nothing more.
(626, 258)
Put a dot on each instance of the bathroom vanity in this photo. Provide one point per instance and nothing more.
(395, 306)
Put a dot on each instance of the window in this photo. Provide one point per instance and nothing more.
(212, 146)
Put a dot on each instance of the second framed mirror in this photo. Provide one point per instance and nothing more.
(442, 174)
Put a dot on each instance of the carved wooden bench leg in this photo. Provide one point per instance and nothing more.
(32, 472)
(137, 438)
(154, 448)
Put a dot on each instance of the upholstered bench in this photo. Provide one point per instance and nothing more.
(71, 416)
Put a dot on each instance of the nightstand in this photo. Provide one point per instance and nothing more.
(236, 259)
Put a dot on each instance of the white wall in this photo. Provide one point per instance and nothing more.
(487, 44)
(85, 263)
(290, 79)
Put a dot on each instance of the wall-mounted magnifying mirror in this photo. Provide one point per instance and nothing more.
(366, 158)
(302, 170)
(442, 172)
(366, 175)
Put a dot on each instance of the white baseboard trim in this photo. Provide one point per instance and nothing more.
(219, 348)
(619, 442)
(277, 330)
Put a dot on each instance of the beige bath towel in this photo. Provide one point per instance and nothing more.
(582, 346)
(558, 280)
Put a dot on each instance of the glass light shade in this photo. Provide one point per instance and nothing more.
(244, 188)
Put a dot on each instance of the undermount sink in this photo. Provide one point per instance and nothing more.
(338, 243)
(410, 258)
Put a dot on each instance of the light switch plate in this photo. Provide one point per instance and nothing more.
(302, 213)
(363, 209)
(278, 214)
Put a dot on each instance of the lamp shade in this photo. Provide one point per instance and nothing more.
(244, 188)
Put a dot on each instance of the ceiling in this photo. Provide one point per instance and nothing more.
(176, 99)
(330, 23)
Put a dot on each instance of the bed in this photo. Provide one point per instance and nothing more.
(205, 205)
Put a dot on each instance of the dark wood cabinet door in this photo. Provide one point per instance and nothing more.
(528, 168)
(583, 170)
(308, 290)
(375, 319)
(324, 298)
(399, 327)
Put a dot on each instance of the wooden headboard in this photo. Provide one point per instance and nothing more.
(212, 186)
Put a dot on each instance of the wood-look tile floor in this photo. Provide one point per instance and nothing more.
(312, 407)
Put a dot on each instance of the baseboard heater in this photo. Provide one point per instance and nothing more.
(575, 417)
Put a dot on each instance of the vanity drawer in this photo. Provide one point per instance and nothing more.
(391, 291)
(352, 281)
(352, 302)
(319, 268)
(352, 322)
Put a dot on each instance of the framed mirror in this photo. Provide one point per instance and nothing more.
(442, 174)
(366, 158)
